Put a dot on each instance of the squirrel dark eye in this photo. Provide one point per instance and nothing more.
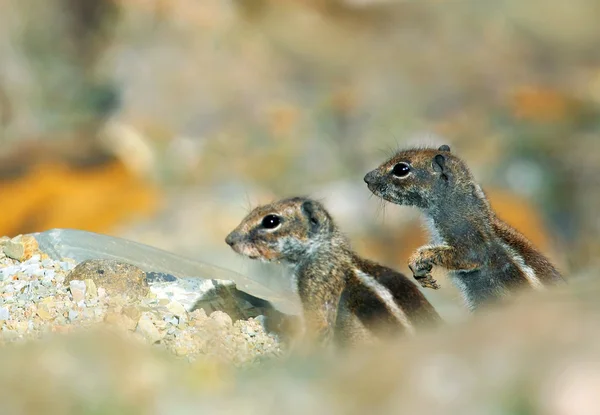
(271, 221)
(401, 170)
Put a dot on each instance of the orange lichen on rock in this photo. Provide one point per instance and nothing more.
(54, 194)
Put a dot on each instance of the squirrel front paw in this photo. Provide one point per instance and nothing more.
(427, 281)
(421, 269)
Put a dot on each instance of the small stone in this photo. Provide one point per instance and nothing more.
(34, 259)
(221, 318)
(117, 278)
(177, 308)
(77, 290)
(73, 315)
(44, 313)
(147, 329)
(171, 319)
(50, 300)
(48, 277)
(21, 247)
(4, 314)
(47, 263)
(90, 289)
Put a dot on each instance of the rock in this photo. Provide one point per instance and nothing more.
(221, 318)
(4, 314)
(117, 278)
(77, 290)
(90, 289)
(21, 247)
(176, 308)
(147, 329)
(44, 313)
(73, 315)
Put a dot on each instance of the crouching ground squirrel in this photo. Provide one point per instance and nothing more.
(344, 297)
(485, 257)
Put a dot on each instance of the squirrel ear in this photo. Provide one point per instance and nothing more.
(444, 147)
(317, 217)
(311, 211)
(439, 165)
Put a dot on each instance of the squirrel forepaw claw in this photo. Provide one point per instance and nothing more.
(422, 272)
(427, 281)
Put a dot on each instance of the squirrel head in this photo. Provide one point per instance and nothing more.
(289, 230)
(417, 177)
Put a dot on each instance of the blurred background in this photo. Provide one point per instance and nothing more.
(166, 121)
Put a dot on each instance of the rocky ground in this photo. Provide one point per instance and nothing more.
(105, 343)
(39, 295)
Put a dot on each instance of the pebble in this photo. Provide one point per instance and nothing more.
(20, 247)
(147, 329)
(73, 315)
(77, 290)
(4, 314)
(90, 288)
(177, 308)
(44, 313)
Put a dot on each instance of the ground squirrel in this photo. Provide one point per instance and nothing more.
(485, 257)
(344, 297)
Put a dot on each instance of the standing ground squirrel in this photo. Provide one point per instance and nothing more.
(485, 257)
(344, 297)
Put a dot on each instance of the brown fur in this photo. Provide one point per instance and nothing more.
(336, 301)
(487, 258)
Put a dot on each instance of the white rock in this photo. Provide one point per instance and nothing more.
(147, 329)
(77, 290)
(177, 308)
(34, 259)
(73, 315)
(4, 314)
(47, 263)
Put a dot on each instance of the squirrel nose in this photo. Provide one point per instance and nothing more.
(232, 238)
(370, 177)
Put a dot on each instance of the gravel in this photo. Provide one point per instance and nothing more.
(38, 296)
